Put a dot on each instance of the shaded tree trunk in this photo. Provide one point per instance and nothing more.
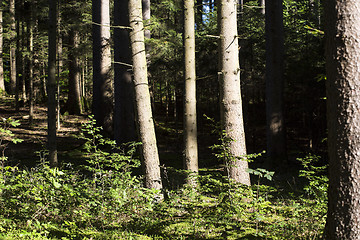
(276, 132)
(2, 82)
(31, 68)
(74, 98)
(190, 125)
(230, 94)
(343, 116)
(52, 85)
(124, 124)
(144, 119)
(12, 84)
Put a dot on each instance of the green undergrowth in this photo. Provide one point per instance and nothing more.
(103, 199)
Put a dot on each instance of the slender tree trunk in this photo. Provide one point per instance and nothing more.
(230, 94)
(102, 80)
(12, 84)
(276, 132)
(52, 85)
(144, 120)
(74, 99)
(2, 82)
(343, 116)
(262, 6)
(31, 68)
(190, 126)
(18, 5)
(124, 127)
(59, 66)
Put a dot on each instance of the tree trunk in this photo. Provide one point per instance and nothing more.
(230, 93)
(276, 132)
(124, 124)
(262, 6)
(31, 68)
(52, 86)
(144, 119)
(12, 85)
(343, 116)
(190, 126)
(59, 67)
(2, 82)
(102, 80)
(74, 98)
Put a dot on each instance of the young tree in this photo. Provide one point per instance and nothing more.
(124, 117)
(343, 116)
(144, 119)
(190, 126)
(102, 81)
(230, 94)
(52, 85)
(276, 139)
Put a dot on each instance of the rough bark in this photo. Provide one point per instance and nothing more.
(144, 119)
(190, 125)
(124, 117)
(276, 139)
(74, 98)
(230, 94)
(102, 80)
(343, 116)
(52, 86)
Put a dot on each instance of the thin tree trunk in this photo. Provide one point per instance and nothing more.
(52, 85)
(59, 67)
(12, 84)
(230, 94)
(276, 132)
(144, 119)
(124, 125)
(343, 116)
(31, 68)
(74, 101)
(262, 6)
(190, 125)
(2, 82)
(102, 80)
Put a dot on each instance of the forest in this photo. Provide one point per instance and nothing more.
(179, 119)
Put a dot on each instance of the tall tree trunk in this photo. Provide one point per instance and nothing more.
(59, 67)
(343, 116)
(102, 80)
(2, 82)
(124, 124)
(276, 132)
(262, 6)
(144, 119)
(190, 126)
(230, 93)
(52, 85)
(31, 68)
(12, 85)
(74, 98)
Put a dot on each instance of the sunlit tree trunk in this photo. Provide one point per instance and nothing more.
(144, 119)
(276, 132)
(102, 80)
(31, 68)
(262, 6)
(343, 116)
(124, 122)
(190, 126)
(12, 84)
(52, 85)
(230, 94)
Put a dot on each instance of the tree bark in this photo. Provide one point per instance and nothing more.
(144, 119)
(343, 116)
(190, 125)
(103, 106)
(2, 82)
(276, 132)
(230, 93)
(12, 85)
(31, 68)
(52, 85)
(124, 124)
(74, 99)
